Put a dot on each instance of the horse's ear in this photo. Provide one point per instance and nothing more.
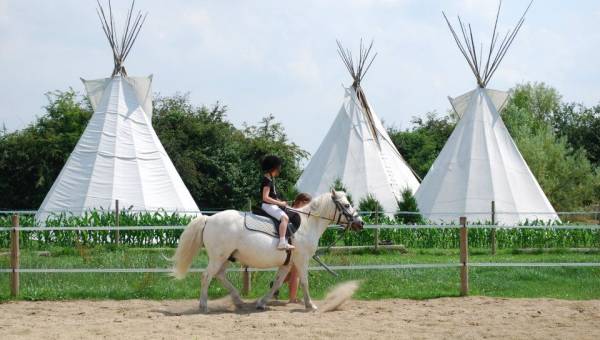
(333, 193)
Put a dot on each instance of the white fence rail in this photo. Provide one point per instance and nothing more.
(368, 226)
(463, 264)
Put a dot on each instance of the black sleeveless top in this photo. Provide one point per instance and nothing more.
(269, 182)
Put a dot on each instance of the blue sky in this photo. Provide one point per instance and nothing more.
(279, 57)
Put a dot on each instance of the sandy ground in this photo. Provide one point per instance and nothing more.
(473, 317)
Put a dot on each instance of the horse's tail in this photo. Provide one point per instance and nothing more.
(190, 243)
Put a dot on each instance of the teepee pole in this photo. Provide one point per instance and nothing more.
(495, 51)
(120, 45)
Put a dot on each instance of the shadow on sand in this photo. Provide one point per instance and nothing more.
(225, 306)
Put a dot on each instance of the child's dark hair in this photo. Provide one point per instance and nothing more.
(270, 163)
(302, 197)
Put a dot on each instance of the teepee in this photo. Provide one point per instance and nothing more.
(119, 156)
(357, 149)
(480, 162)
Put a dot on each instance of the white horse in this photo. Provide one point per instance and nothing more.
(224, 235)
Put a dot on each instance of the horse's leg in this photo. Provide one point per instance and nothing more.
(213, 268)
(302, 266)
(281, 274)
(235, 295)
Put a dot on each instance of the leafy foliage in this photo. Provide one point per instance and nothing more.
(31, 159)
(559, 142)
(577, 123)
(580, 125)
(218, 162)
(411, 238)
(70, 238)
(372, 207)
(423, 142)
(408, 203)
(565, 174)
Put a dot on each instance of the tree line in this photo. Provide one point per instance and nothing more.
(219, 162)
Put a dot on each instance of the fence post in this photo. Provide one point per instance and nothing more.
(377, 231)
(464, 257)
(493, 234)
(117, 222)
(246, 278)
(14, 256)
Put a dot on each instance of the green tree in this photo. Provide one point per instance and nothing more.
(421, 144)
(577, 123)
(408, 204)
(30, 159)
(268, 137)
(580, 125)
(218, 162)
(565, 175)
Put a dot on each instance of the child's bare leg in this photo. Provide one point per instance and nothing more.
(282, 231)
(283, 227)
(293, 284)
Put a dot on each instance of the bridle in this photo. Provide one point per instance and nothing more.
(341, 210)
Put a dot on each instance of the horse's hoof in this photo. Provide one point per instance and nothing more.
(203, 309)
(261, 307)
(311, 308)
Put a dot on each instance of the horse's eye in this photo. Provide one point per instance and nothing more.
(347, 206)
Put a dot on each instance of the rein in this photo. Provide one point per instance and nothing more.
(338, 210)
(311, 214)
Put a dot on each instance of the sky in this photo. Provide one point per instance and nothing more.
(279, 57)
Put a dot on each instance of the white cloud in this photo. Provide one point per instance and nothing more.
(280, 57)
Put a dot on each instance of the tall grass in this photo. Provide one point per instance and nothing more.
(478, 237)
(409, 237)
(137, 238)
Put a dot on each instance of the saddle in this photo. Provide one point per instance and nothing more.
(258, 220)
(261, 222)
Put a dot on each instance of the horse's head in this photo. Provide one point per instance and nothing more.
(345, 211)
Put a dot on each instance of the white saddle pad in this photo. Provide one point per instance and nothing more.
(259, 223)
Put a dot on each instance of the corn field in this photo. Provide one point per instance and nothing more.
(409, 237)
(135, 238)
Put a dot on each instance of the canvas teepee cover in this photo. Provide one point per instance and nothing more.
(358, 150)
(480, 162)
(119, 155)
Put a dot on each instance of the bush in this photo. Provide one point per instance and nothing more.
(371, 205)
(408, 204)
